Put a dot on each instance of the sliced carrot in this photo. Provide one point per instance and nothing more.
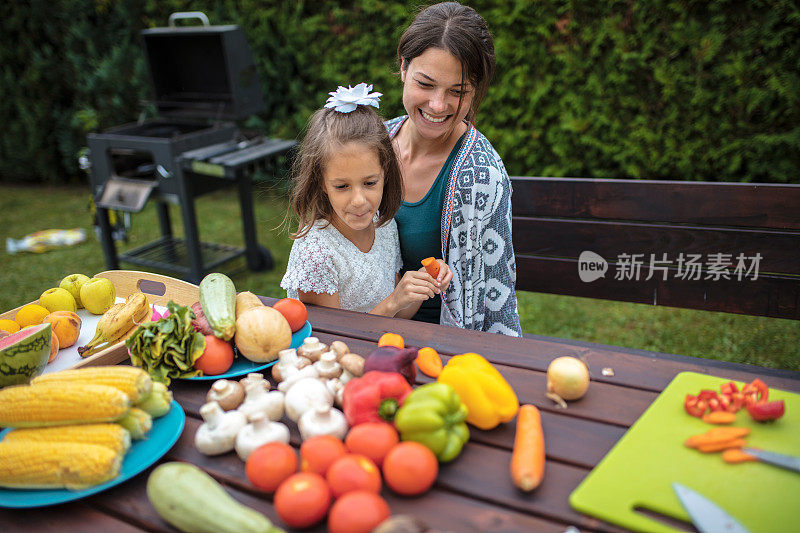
(719, 417)
(718, 447)
(431, 266)
(736, 455)
(429, 362)
(391, 339)
(716, 435)
(527, 458)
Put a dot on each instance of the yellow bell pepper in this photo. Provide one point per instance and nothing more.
(488, 396)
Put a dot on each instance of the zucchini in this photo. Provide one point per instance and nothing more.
(218, 302)
(193, 501)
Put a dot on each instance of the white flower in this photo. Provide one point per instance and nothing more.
(345, 100)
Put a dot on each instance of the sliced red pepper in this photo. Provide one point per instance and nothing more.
(695, 406)
(707, 394)
(755, 392)
(766, 411)
(736, 402)
(729, 388)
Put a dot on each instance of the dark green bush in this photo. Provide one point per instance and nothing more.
(660, 90)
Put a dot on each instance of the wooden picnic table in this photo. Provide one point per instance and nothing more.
(474, 492)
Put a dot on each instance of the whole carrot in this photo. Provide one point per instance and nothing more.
(527, 458)
(431, 266)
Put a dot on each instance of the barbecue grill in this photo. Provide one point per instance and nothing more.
(203, 78)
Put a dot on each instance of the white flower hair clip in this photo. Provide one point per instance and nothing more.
(346, 99)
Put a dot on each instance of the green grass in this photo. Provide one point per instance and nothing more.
(760, 341)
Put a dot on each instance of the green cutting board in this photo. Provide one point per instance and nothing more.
(640, 469)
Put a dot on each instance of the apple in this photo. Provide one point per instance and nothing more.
(58, 299)
(73, 284)
(98, 295)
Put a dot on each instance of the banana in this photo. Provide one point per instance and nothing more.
(118, 323)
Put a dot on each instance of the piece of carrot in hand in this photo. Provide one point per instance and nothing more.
(431, 266)
(429, 362)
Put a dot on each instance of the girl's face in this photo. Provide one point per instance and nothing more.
(353, 180)
(432, 86)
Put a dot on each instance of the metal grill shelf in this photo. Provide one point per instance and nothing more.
(172, 254)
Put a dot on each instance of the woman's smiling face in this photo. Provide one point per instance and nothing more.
(432, 86)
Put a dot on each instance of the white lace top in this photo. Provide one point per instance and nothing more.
(324, 261)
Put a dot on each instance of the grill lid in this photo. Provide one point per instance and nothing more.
(202, 71)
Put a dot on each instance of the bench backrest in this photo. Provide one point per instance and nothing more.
(694, 234)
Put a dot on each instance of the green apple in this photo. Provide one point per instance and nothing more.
(73, 284)
(58, 299)
(98, 295)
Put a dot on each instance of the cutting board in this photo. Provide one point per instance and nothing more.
(639, 470)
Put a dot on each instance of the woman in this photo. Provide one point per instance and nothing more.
(457, 201)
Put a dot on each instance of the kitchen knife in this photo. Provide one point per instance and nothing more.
(707, 516)
(788, 462)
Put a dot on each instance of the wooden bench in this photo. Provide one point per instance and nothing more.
(729, 247)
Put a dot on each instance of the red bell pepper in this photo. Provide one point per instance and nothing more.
(695, 406)
(374, 397)
(755, 392)
(766, 411)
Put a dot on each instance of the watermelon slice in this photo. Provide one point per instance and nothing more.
(24, 354)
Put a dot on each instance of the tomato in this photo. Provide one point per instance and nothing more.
(270, 464)
(372, 439)
(294, 311)
(302, 499)
(217, 358)
(410, 468)
(353, 472)
(359, 511)
(318, 453)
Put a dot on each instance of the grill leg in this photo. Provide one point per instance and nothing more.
(166, 231)
(107, 240)
(190, 230)
(255, 260)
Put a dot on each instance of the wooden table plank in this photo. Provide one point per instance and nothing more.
(73, 517)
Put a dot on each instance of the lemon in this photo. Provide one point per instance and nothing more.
(9, 326)
(30, 315)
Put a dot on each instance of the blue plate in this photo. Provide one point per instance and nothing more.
(242, 365)
(143, 453)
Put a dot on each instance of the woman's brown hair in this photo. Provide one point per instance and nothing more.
(327, 131)
(459, 30)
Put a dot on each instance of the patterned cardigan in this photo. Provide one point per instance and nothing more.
(476, 239)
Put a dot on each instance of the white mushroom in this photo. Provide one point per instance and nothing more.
(228, 394)
(288, 363)
(254, 377)
(311, 349)
(305, 395)
(288, 383)
(260, 431)
(218, 432)
(322, 420)
(327, 367)
(353, 363)
(336, 387)
(258, 400)
(339, 348)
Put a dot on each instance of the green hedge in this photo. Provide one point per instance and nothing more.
(660, 90)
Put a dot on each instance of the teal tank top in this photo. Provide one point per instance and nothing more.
(419, 229)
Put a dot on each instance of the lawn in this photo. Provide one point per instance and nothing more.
(760, 341)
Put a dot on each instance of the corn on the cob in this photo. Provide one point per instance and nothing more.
(109, 435)
(137, 422)
(133, 381)
(71, 465)
(158, 402)
(60, 404)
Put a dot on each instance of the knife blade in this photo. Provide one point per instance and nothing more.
(788, 462)
(707, 516)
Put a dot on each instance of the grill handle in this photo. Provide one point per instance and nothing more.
(188, 15)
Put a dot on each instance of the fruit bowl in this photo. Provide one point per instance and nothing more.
(24, 354)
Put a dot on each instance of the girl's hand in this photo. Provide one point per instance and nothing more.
(414, 288)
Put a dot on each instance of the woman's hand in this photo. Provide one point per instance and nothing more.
(444, 277)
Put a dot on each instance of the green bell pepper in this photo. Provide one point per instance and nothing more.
(433, 415)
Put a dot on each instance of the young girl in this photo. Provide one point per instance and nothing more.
(347, 188)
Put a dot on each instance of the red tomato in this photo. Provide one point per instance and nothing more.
(270, 464)
(351, 472)
(302, 499)
(359, 511)
(293, 311)
(217, 358)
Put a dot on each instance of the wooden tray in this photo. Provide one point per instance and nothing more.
(159, 290)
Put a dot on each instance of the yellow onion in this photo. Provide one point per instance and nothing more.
(567, 378)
